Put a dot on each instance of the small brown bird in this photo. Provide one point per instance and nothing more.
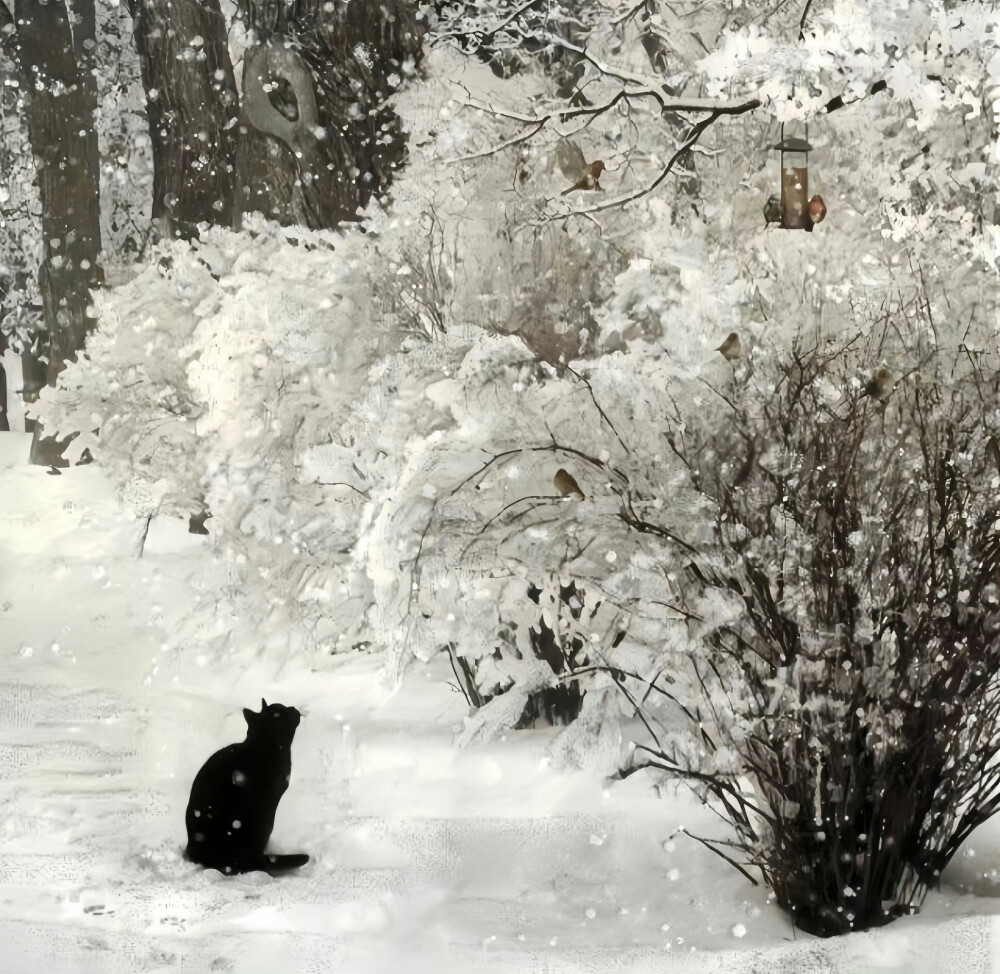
(817, 209)
(566, 484)
(772, 210)
(880, 385)
(731, 348)
(589, 180)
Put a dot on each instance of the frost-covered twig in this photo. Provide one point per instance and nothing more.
(600, 409)
(696, 133)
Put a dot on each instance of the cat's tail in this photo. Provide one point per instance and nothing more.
(274, 864)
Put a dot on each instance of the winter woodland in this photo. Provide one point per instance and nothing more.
(587, 414)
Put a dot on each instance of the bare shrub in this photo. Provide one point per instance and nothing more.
(853, 679)
(418, 288)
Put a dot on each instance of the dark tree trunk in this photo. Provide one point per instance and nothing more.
(60, 104)
(356, 54)
(316, 159)
(192, 107)
(6, 51)
(84, 21)
(4, 409)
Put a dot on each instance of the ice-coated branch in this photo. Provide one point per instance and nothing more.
(569, 112)
(696, 133)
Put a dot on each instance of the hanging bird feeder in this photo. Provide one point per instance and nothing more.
(795, 210)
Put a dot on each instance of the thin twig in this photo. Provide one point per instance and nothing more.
(802, 20)
(696, 133)
(598, 407)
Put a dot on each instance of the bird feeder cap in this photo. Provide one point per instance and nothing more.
(793, 144)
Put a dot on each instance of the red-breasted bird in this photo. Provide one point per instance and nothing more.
(566, 484)
(817, 209)
(589, 180)
(731, 348)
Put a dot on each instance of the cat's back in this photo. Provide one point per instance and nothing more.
(218, 772)
(224, 758)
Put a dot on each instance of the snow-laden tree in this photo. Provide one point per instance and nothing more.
(899, 276)
(20, 303)
(73, 192)
(315, 153)
(656, 87)
(57, 91)
(393, 484)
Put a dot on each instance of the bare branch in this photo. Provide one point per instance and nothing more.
(668, 105)
(802, 20)
(710, 845)
(548, 498)
(696, 133)
(597, 406)
(516, 140)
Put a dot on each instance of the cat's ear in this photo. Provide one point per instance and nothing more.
(249, 716)
(263, 705)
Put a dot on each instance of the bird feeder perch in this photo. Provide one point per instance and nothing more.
(794, 149)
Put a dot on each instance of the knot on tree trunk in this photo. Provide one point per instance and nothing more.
(265, 63)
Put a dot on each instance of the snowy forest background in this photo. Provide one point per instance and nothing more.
(299, 329)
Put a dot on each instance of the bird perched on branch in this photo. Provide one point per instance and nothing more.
(731, 348)
(566, 484)
(880, 385)
(817, 209)
(573, 164)
(772, 210)
(589, 180)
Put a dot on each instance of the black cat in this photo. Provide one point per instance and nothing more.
(236, 793)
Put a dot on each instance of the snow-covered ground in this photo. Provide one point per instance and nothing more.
(425, 858)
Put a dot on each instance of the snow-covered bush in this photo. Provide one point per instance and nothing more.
(252, 376)
(846, 618)
(544, 655)
(531, 590)
(222, 378)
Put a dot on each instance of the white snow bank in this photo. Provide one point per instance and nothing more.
(425, 858)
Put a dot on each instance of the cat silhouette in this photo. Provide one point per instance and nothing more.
(235, 796)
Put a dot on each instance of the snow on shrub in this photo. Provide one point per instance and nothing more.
(538, 598)
(246, 375)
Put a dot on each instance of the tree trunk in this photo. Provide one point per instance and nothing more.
(356, 54)
(346, 57)
(84, 21)
(4, 409)
(60, 104)
(192, 108)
